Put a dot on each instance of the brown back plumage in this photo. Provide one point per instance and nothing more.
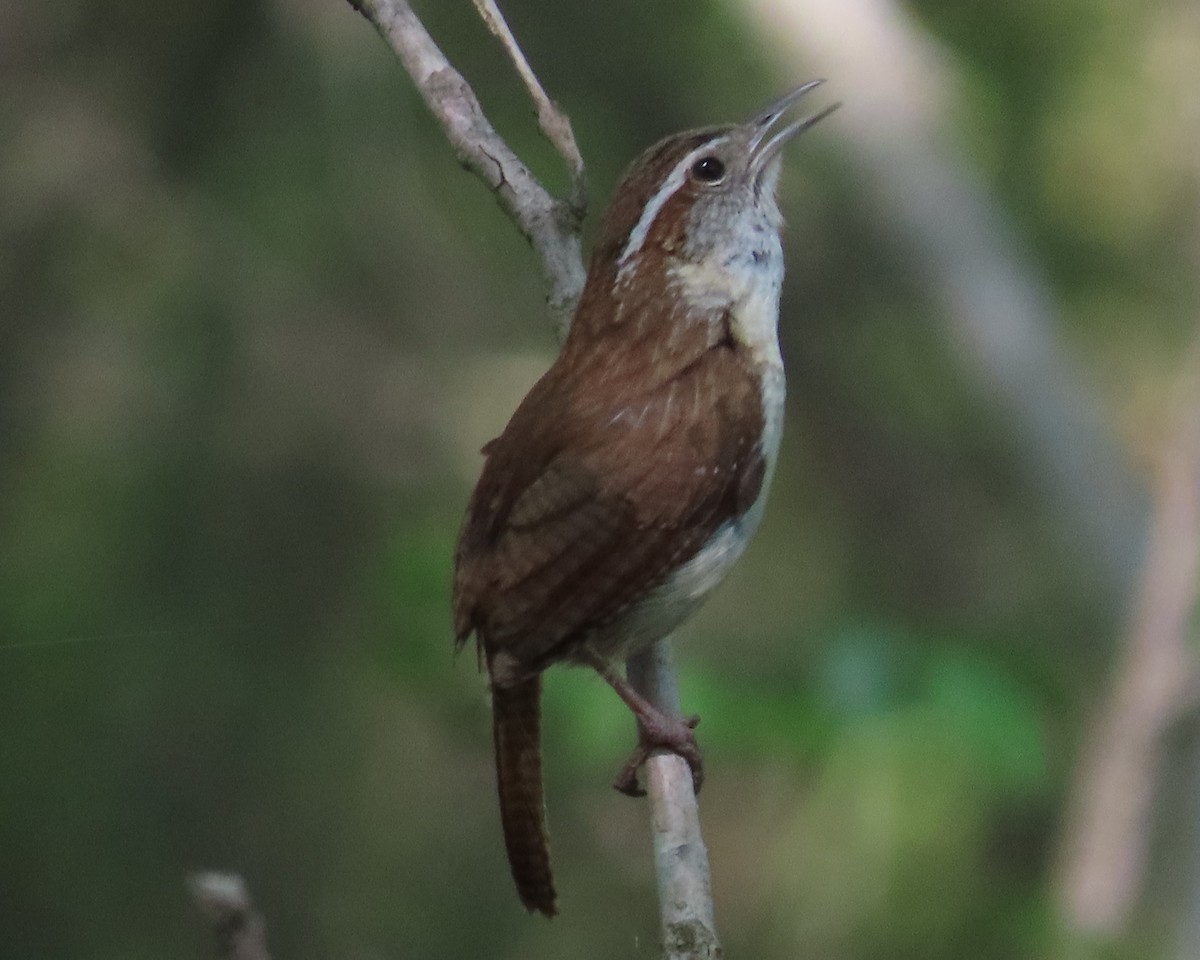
(625, 476)
(570, 526)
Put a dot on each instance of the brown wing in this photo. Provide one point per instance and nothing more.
(597, 490)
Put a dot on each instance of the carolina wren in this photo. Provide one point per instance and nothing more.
(632, 475)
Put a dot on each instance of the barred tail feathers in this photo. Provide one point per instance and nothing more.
(516, 725)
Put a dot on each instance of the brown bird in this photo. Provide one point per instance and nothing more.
(632, 475)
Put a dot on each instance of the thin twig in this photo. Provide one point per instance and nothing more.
(224, 901)
(550, 225)
(554, 124)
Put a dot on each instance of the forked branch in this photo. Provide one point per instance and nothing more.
(549, 224)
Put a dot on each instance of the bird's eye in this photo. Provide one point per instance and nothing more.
(709, 169)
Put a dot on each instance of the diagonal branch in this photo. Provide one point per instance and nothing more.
(549, 224)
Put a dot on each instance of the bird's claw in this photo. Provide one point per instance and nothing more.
(674, 734)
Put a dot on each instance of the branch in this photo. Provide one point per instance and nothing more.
(553, 227)
(680, 858)
(550, 225)
(1106, 844)
(223, 900)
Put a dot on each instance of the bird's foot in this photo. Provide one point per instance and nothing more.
(658, 731)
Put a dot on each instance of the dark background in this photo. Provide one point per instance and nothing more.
(255, 323)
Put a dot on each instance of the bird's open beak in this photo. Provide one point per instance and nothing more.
(766, 140)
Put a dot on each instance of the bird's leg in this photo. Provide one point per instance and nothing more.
(656, 731)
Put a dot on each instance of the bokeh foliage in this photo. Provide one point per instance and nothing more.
(257, 324)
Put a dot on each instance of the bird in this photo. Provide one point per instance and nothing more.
(631, 477)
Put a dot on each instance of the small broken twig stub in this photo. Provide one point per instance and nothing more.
(224, 902)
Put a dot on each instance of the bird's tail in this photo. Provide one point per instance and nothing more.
(516, 725)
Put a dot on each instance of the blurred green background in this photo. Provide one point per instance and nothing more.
(255, 325)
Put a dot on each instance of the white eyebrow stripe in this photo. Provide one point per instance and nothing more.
(637, 236)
